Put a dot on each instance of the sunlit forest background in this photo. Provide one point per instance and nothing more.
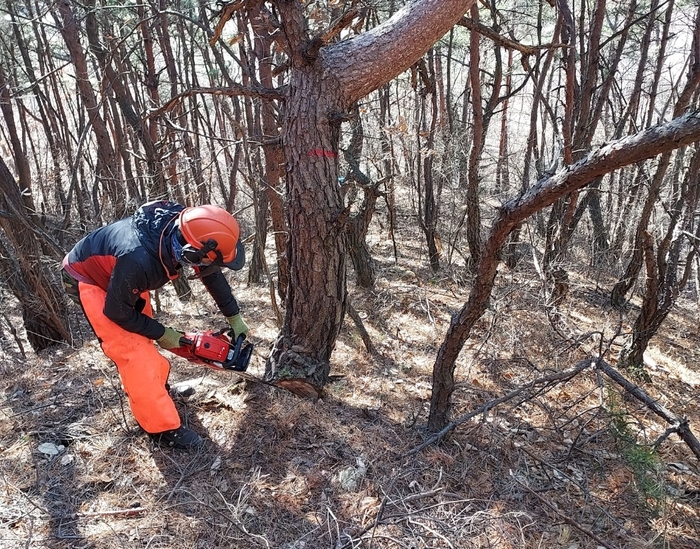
(498, 310)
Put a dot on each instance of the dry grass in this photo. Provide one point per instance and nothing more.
(570, 468)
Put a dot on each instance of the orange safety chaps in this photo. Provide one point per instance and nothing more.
(143, 370)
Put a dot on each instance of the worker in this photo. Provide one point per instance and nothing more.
(110, 273)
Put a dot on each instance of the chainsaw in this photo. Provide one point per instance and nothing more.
(216, 350)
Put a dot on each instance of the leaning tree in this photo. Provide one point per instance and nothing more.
(654, 141)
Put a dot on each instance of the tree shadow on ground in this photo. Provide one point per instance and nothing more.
(48, 412)
(287, 468)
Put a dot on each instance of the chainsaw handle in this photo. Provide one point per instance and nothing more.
(188, 342)
(236, 353)
(216, 349)
(239, 343)
(240, 356)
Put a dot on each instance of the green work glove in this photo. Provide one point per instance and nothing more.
(238, 325)
(170, 339)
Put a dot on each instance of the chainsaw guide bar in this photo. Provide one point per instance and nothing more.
(298, 386)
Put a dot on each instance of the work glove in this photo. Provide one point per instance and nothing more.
(170, 339)
(238, 325)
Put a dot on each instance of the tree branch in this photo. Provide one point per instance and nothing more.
(257, 91)
(501, 40)
(681, 425)
(336, 27)
(369, 60)
(225, 14)
(540, 381)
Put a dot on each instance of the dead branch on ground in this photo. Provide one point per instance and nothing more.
(678, 424)
(563, 517)
(539, 383)
(366, 339)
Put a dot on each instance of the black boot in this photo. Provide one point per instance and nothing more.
(181, 438)
(179, 392)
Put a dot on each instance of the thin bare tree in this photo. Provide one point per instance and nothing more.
(30, 280)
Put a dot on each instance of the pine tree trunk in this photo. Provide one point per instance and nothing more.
(41, 298)
(317, 293)
(324, 83)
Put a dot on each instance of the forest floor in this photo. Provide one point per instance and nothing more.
(572, 466)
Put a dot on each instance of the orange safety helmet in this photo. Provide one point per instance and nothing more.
(212, 234)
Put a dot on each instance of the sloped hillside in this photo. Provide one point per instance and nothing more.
(570, 465)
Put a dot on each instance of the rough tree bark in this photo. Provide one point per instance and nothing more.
(324, 83)
(428, 182)
(473, 210)
(272, 146)
(358, 223)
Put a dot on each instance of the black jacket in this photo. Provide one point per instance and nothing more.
(133, 255)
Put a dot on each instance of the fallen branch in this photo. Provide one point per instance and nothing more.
(115, 512)
(678, 424)
(558, 377)
(366, 339)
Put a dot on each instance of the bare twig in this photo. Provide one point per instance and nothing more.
(536, 383)
(563, 517)
(681, 425)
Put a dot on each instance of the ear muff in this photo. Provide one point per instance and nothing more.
(195, 256)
